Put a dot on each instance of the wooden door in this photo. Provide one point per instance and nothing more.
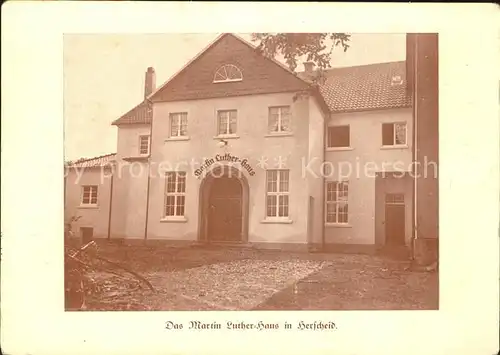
(225, 210)
(394, 220)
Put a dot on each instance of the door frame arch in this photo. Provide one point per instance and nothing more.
(204, 196)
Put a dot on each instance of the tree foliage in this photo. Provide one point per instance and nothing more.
(313, 47)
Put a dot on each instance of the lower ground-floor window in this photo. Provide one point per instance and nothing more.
(87, 234)
(337, 202)
(175, 194)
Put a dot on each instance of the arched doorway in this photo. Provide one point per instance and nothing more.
(224, 206)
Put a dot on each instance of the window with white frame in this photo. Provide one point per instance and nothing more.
(89, 195)
(279, 119)
(144, 142)
(394, 134)
(226, 122)
(178, 124)
(228, 73)
(337, 202)
(278, 189)
(175, 194)
(339, 137)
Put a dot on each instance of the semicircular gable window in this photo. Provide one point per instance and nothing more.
(228, 73)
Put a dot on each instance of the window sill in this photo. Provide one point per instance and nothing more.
(226, 81)
(278, 220)
(338, 149)
(172, 219)
(91, 207)
(338, 225)
(177, 138)
(227, 136)
(279, 134)
(388, 147)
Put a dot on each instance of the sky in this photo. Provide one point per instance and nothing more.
(104, 76)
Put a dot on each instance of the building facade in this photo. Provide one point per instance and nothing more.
(237, 149)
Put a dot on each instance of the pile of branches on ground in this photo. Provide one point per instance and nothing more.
(84, 282)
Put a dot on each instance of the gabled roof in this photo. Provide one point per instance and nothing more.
(347, 89)
(140, 114)
(261, 74)
(366, 87)
(96, 162)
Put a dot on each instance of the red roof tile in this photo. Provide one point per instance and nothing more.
(367, 87)
(140, 114)
(101, 161)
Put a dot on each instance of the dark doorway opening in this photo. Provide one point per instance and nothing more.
(225, 212)
(394, 220)
(87, 234)
(224, 200)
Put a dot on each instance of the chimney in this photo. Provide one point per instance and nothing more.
(411, 55)
(309, 67)
(150, 82)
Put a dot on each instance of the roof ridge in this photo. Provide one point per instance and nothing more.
(367, 65)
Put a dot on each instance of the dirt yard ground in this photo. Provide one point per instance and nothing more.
(201, 278)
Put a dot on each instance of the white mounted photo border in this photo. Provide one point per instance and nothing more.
(33, 317)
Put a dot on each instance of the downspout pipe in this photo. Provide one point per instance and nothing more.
(415, 147)
(110, 204)
(149, 172)
(326, 112)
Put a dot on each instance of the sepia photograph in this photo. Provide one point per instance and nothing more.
(251, 171)
(231, 178)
